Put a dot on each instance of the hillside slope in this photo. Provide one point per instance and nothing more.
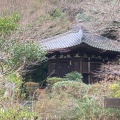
(44, 18)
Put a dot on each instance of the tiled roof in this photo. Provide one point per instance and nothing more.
(73, 38)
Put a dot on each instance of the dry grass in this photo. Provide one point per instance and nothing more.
(102, 13)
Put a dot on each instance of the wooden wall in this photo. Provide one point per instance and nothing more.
(86, 66)
(84, 59)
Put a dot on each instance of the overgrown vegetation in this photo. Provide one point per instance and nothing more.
(30, 88)
(21, 53)
(21, 24)
(16, 114)
(76, 101)
(115, 90)
(50, 17)
(74, 76)
(53, 80)
(15, 55)
(9, 23)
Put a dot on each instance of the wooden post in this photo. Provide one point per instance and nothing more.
(89, 71)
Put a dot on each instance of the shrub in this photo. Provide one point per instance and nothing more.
(44, 18)
(73, 100)
(50, 82)
(93, 109)
(16, 114)
(37, 73)
(56, 108)
(55, 13)
(12, 85)
(83, 17)
(89, 108)
(30, 88)
(9, 23)
(2, 91)
(115, 90)
(22, 53)
(74, 76)
(69, 88)
(15, 77)
(53, 80)
(99, 89)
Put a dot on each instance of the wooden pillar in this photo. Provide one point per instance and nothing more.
(80, 65)
(89, 81)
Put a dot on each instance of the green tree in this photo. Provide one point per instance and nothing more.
(14, 53)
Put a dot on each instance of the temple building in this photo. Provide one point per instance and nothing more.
(81, 51)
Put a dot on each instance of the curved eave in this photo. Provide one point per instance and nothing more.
(73, 39)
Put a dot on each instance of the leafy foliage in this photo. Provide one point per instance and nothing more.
(83, 17)
(69, 88)
(76, 101)
(15, 77)
(30, 88)
(15, 54)
(16, 114)
(56, 108)
(115, 90)
(25, 52)
(50, 83)
(56, 13)
(37, 73)
(74, 76)
(9, 23)
(53, 80)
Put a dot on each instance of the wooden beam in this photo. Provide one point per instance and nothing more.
(112, 102)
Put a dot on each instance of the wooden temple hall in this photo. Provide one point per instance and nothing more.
(81, 51)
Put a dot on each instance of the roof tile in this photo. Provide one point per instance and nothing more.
(73, 38)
